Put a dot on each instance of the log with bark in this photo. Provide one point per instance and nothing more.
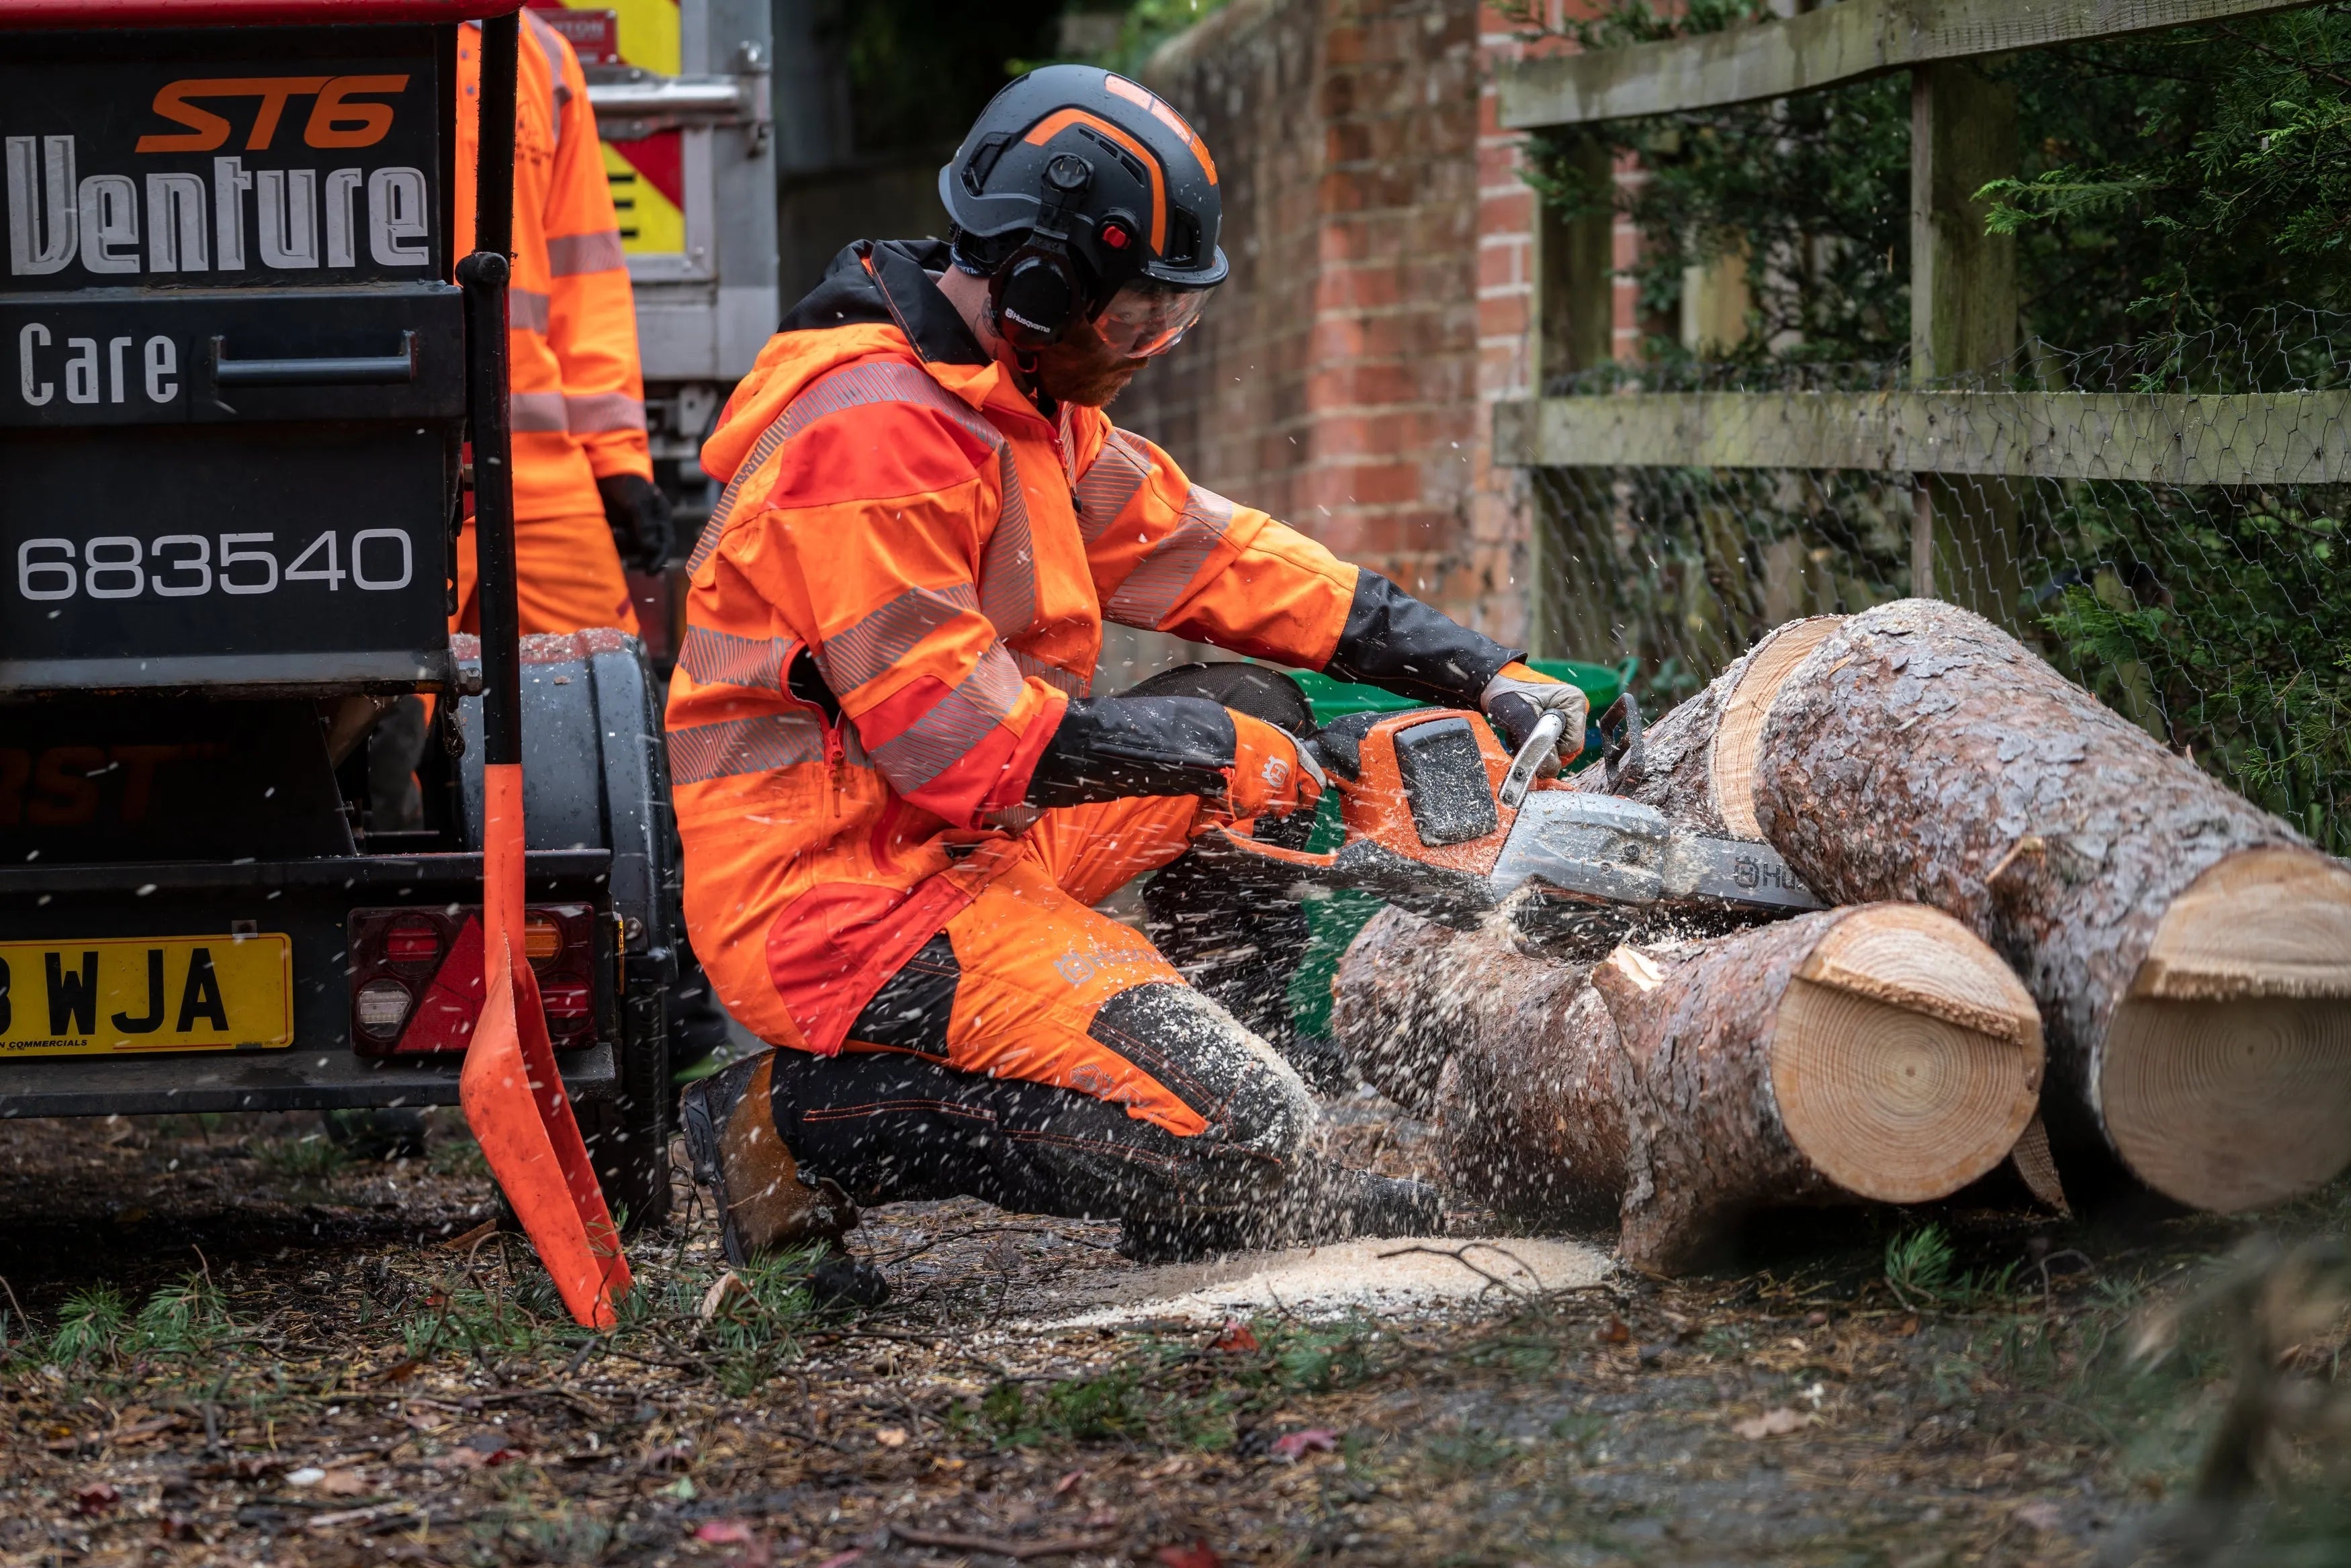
(1879, 1051)
(2189, 952)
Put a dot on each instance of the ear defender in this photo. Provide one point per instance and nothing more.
(1037, 293)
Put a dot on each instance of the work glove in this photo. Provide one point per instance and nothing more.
(1518, 698)
(1272, 775)
(638, 514)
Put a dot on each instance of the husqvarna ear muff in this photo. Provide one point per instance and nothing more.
(1038, 291)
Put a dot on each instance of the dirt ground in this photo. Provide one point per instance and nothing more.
(225, 1340)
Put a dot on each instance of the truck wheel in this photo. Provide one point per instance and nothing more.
(628, 1132)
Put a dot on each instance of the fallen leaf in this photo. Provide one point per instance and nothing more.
(343, 1483)
(1199, 1555)
(466, 1241)
(341, 1518)
(1776, 1423)
(723, 1290)
(890, 1437)
(1313, 1440)
(1613, 1332)
(2039, 1514)
(96, 1497)
(1237, 1336)
(1061, 1487)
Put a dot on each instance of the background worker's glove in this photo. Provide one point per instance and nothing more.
(1518, 698)
(1272, 775)
(638, 514)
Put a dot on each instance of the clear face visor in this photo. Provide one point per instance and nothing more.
(1145, 319)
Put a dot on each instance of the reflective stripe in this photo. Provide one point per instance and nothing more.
(1111, 482)
(568, 255)
(722, 659)
(850, 659)
(1075, 683)
(593, 414)
(1008, 578)
(536, 411)
(955, 723)
(707, 752)
(1168, 568)
(526, 310)
(550, 49)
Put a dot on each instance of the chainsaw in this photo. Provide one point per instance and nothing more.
(1440, 820)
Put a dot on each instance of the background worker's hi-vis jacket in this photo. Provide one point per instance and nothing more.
(578, 403)
(906, 544)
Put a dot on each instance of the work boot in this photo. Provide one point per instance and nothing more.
(765, 1205)
(1319, 1203)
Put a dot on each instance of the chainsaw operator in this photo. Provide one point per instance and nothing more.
(584, 498)
(900, 800)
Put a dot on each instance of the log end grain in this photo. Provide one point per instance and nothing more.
(2225, 1078)
(1907, 1057)
(1738, 733)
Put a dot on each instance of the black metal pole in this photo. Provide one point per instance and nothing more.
(483, 275)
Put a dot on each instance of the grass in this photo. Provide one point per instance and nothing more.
(1921, 1268)
(97, 1332)
(313, 1157)
(1173, 1394)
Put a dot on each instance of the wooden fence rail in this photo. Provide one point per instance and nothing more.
(2269, 438)
(1837, 43)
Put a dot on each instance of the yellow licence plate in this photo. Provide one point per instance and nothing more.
(111, 994)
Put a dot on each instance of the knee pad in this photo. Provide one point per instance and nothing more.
(1255, 1103)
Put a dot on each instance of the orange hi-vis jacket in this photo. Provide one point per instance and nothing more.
(578, 405)
(906, 544)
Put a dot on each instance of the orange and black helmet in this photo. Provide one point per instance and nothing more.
(1096, 166)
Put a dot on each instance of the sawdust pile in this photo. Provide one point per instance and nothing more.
(1385, 1279)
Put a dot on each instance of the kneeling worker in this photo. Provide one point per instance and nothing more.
(899, 801)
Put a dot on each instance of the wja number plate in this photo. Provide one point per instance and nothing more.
(106, 995)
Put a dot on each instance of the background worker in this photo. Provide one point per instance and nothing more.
(585, 496)
(899, 799)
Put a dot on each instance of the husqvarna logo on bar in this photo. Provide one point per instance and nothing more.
(222, 178)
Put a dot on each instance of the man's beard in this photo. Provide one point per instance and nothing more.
(1087, 383)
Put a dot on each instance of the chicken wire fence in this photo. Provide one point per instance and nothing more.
(2162, 521)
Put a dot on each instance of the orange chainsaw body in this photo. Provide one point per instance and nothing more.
(1420, 752)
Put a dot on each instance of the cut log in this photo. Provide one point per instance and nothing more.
(2191, 953)
(1870, 1052)
(1700, 759)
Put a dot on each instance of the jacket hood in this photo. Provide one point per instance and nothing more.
(877, 300)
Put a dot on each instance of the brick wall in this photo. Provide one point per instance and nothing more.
(1382, 296)
(1336, 379)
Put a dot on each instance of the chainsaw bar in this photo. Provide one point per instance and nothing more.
(1621, 852)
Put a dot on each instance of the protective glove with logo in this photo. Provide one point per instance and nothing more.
(1272, 775)
(638, 514)
(1515, 701)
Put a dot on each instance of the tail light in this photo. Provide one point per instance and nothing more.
(416, 976)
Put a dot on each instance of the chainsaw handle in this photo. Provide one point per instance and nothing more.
(1542, 740)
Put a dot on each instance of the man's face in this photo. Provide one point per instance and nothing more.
(1082, 369)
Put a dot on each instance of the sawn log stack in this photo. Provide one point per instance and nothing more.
(2187, 954)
